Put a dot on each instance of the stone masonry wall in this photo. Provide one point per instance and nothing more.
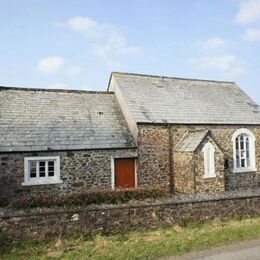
(153, 156)
(242, 180)
(80, 171)
(189, 172)
(184, 166)
(222, 135)
(46, 224)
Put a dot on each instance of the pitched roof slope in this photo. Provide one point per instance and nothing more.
(37, 119)
(191, 141)
(154, 99)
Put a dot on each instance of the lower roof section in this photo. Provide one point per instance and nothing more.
(39, 120)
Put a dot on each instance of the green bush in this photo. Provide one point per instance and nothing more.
(87, 198)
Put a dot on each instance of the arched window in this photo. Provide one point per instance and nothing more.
(244, 150)
(209, 160)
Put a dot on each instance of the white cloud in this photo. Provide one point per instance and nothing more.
(105, 54)
(252, 35)
(117, 42)
(114, 47)
(222, 63)
(85, 25)
(249, 12)
(212, 44)
(107, 42)
(57, 64)
(74, 70)
(228, 65)
(236, 72)
(50, 64)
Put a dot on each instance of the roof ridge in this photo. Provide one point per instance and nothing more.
(169, 77)
(56, 90)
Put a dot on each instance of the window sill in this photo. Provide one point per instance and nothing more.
(30, 183)
(209, 176)
(241, 170)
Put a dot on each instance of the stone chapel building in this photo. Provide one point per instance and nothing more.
(183, 135)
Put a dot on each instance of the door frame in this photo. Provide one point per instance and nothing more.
(113, 173)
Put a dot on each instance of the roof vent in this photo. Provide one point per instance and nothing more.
(100, 113)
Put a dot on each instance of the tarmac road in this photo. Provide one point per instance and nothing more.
(249, 250)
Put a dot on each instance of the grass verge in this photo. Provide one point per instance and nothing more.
(147, 244)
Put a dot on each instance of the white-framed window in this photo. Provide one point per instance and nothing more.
(41, 170)
(209, 160)
(244, 151)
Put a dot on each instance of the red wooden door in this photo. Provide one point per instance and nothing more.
(125, 173)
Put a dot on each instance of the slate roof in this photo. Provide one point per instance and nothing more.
(37, 119)
(191, 141)
(155, 99)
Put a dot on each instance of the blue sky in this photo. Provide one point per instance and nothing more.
(76, 44)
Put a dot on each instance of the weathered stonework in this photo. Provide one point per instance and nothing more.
(184, 170)
(189, 171)
(80, 171)
(242, 181)
(153, 156)
(154, 162)
(50, 223)
(222, 135)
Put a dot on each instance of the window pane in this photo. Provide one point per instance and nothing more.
(242, 147)
(51, 168)
(238, 164)
(237, 147)
(248, 162)
(243, 163)
(51, 163)
(247, 154)
(42, 168)
(32, 166)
